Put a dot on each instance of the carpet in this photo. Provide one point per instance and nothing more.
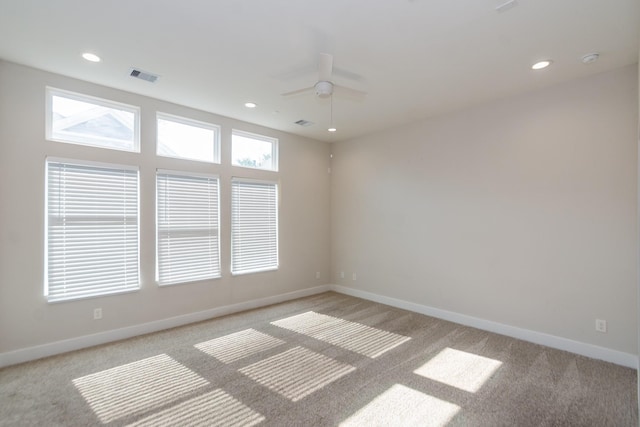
(324, 360)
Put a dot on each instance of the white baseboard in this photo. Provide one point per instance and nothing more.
(58, 347)
(588, 350)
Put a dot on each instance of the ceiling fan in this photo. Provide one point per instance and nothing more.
(325, 87)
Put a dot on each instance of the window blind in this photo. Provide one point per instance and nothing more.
(92, 230)
(254, 226)
(187, 223)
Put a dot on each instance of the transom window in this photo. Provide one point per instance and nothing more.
(187, 139)
(254, 151)
(86, 120)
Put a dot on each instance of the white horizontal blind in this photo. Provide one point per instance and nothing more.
(92, 230)
(188, 235)
(254, 226)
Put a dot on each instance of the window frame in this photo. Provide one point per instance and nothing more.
(184, 174)
(98, 165)
(51, 92)
(217, 130)
(276, 184)
(275, 149)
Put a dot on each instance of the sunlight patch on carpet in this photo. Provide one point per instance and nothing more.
(403, 406)
(296, 373)
(215, 408)
(137, 387)
(356, 337)
(239, 345)
(466, 371)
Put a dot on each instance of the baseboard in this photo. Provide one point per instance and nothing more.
(58, 347)
(588, 350)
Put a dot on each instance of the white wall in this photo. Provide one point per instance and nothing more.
(521, 211)
(27, 320)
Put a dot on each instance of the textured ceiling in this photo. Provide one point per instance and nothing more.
(414, 59)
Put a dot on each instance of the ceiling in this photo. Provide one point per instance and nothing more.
(414, 58)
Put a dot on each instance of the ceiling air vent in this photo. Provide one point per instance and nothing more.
(143, 75)
(304, 123)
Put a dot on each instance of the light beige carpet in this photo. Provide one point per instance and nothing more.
(325, 360)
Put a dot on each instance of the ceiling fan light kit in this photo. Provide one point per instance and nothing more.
(324, 89)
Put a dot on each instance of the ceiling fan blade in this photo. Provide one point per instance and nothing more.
(347, 92)
(325, 67)
(347, 74)
(300, 92)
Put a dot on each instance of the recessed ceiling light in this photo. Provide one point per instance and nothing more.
(506, 5)
(590, 57)
(332, 129)
(91, 57)
(541, 64)
(250, 104)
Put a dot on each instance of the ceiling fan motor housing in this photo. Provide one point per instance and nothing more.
(324, 89)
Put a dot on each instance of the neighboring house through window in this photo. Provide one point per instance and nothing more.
(86, 120)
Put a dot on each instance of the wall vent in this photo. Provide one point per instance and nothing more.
(143, 75)
(304, 123)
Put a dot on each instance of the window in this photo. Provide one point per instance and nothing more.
(254, 151)
(91, 230)
(187, 139)
(187, 225)
(82, 119)
(254, 226)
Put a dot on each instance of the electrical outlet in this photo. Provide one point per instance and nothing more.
(601, 325)
(97, 313)
(354, 276)
(317, 274)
